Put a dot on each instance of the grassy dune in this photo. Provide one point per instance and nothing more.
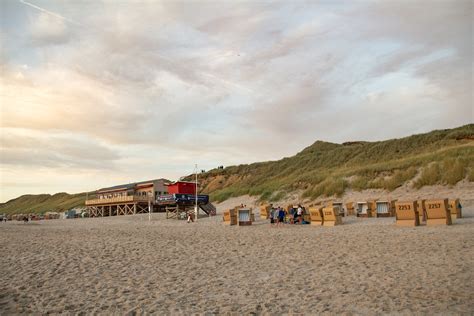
(42, 203)
(326, 169)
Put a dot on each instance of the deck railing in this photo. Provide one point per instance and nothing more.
(118, 199)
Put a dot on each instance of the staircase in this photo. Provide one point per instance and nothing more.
(209, 209)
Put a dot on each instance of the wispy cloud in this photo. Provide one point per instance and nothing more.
(53, 14)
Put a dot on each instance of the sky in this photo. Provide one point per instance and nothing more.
(97, 93)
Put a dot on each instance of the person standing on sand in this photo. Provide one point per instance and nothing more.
(277, 219)
(299, 214)
(281, 215)
(275, 216)
(190, 217)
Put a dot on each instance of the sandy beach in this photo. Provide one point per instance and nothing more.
(128, 264)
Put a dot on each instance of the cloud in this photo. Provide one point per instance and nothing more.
(47, 29)
(23, 147)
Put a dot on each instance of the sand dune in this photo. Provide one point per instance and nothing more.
(127, 264)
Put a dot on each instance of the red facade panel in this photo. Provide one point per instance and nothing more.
(182, 188)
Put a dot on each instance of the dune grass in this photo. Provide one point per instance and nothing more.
(43, 203)
(326, 169)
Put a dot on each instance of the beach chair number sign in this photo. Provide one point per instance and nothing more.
(406, 214)
(316, 216)
(331, 217)
(437, 212)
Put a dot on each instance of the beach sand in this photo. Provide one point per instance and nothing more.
(128, 264)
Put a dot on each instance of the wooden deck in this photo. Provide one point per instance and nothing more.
(120, 205)
(118, 200)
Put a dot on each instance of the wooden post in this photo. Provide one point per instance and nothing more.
(149, 210)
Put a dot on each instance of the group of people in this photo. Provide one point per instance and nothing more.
(278, 215)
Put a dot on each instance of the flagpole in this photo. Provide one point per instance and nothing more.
(196, 193)
(149, 209)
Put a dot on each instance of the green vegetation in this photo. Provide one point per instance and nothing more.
(395, 180)
(328, 187)
(43, 203)
(323, 169)
(447, 172)
(453, 171)
(430, 175)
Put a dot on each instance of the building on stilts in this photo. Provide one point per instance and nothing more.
(127, 199)
(177, 199)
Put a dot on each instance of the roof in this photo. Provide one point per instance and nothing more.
(176, 182)
(130, 185)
